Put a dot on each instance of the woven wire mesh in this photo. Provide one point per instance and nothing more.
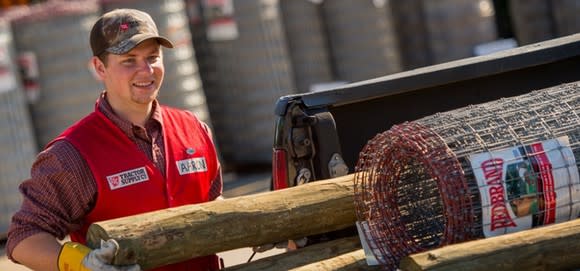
(416, 188)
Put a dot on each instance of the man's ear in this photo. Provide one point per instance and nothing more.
(98, 68)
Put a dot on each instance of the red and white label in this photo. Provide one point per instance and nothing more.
(219, 16)
(127, 178)
(527, 186)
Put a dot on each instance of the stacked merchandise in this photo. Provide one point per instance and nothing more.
(532, 20)
(362, 39)
(432, 32)
(17, 143)
(182, 86)
(411, 33)
(203, 52)
(307, 43)
(246, 69)
(538, 20)
(566, 16)
(455, 27)
(57, 34)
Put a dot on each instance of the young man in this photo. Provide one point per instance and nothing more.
(131, 155)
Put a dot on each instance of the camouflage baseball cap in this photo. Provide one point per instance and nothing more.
(120, 30)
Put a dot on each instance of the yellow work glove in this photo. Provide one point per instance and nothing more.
(77, 257)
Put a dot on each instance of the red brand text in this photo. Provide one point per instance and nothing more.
(492, 171)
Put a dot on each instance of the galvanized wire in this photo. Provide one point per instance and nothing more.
(416, 188)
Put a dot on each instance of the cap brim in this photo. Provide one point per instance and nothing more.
(165, 42)
(128, 45)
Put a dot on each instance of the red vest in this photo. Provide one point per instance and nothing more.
(128, 182)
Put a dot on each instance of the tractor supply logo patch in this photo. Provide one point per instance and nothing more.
(126, 178)
(192, 165)
(527, 186)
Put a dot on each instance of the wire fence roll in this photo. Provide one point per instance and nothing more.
(538, 20)
(532, 20)
(474, 172)
(455, 27)
(17, 143)
(68, 89)
(566, 17)
(246, 68)
(308, 46)
(363, 43)
(432, 32)
(411, 29)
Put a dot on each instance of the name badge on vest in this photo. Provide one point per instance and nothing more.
(126, 178)
(191, 165)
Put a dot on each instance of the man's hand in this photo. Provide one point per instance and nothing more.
(77, 257)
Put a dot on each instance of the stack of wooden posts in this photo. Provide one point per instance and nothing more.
(163, 237)
(173, 235)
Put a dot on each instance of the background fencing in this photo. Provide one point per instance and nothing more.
(17, 143)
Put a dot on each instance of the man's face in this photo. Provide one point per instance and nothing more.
(134, 79)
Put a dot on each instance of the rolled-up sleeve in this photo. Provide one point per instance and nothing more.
(59, 194)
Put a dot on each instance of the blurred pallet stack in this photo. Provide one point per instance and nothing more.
(17, 143)
(56, 33)
(432, 32)
(411, 33)
(566, 16)
(246, 68)
(203, 52)
(362, 39)
(182, 86)
(538, 20)
(455, 27)
(307, 43)
(532, 20)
